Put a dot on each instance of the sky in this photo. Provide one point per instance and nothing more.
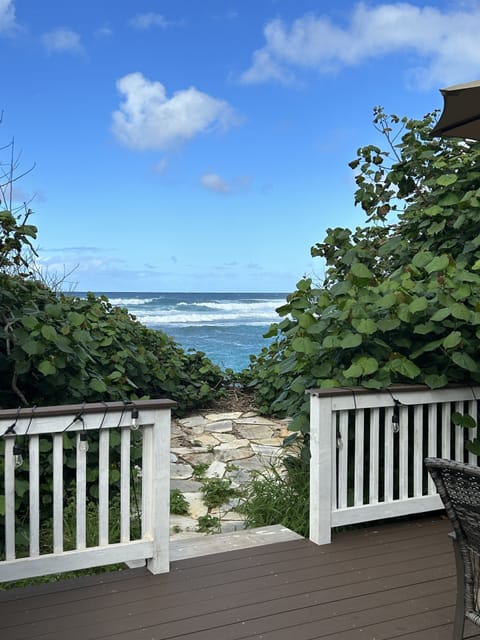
(187, 145)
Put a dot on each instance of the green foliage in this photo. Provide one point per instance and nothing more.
(400, 302)
(199, 471)
(217, 491)
(178, 503)
(273, 497)
(209, 524)
(64, 349)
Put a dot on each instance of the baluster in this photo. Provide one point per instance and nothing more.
(359, 456)
(57, 492)
(103, 487)
(81, 490)
(374, 455)
(34, 494)
(125, 485)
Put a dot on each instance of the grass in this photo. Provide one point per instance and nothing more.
(275, 497)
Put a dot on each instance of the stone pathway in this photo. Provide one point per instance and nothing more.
(229, 446)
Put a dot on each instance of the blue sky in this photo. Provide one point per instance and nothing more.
(184, 145)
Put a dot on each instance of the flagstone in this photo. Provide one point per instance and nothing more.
(206, 440)
(180, 471)
(256, 420)
(216, 470)
(273, 442)
(196, 506)
(254, 432)
(193, 421)
(216, 417)
(232, 444)
(187, 485)
(265, 450)
(195, 458)
(222, 426)
(235, 454)
(225, 437)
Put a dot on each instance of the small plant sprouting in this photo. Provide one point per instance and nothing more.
(209, 524)
(178, 503)
(217, 491)
(199, 471)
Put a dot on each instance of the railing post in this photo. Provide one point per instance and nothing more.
(321, 469)
(160, 492)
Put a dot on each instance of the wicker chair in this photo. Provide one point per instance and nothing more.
(458, 486)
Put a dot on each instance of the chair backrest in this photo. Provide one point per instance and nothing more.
(458, 486)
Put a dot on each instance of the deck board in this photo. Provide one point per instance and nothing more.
(395, 580)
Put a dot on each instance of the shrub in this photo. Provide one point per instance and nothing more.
(275, 497)
(400, 302)
(178, 503)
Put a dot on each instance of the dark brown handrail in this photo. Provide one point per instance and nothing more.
(91, 407)
(347, 391)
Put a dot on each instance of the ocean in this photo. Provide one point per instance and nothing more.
(227, 327)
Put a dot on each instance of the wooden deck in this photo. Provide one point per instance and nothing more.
(389, 581)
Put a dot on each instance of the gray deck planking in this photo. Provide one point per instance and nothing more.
(393, 580)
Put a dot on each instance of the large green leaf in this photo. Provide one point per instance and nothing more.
(353, 371)
(447, 179)
(464, 420)
(439, 263)
(405, 367)
(47, 368)
(465, 361)
(97, 385)
(49, 332)
(351, 340)
(453, 339)
(441, 315)
(360, 270)
(388, 324)
(436, 381)
(418, 304)
(31, 346)
(460, 311)
(364, 325)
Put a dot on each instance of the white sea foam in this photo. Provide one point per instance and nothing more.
(253, 306)
(130, 302)
(173, 317)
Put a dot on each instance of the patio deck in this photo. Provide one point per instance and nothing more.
(393, 580)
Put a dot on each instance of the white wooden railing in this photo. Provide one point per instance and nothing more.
(23, 432)
(367, 451)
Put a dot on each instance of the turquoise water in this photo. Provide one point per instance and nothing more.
(228, 327)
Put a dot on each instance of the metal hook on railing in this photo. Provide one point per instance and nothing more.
(396, 417)
(339, 439)
(11, 429)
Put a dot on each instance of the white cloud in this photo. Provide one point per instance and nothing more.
(148, 119)
(7, 16)
(445, 43)
(161, 166)
(103, 32)
(62, 40)
(213, 182)
(145, 21)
